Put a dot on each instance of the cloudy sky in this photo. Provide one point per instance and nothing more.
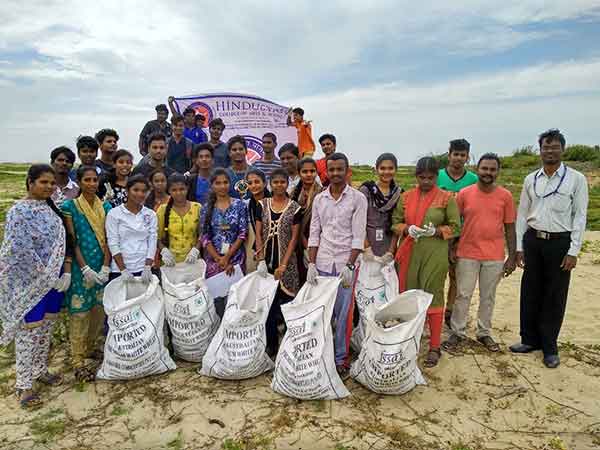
(400, 76)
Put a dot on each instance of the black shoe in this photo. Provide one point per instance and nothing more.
(343, 372)
(453, 342)
(522, 348)
(551, 361)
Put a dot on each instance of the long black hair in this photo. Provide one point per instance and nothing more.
(35, 172)
(152, 196)
(298, 188)
(176, 178)
(212, 199)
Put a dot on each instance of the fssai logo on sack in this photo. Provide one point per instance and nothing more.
(204, 110)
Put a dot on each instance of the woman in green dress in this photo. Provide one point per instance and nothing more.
(85, 217)
(426, 219)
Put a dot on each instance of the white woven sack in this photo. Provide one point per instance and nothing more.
(376, 284)
(305, 365)
(238, 349)
(387, 363)
(190, 310)
(134, 346)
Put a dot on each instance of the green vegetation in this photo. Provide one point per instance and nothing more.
(514, 169)
(177, 443)
(48, 426)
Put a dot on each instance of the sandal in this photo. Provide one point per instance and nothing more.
(489, 343)
(433, 357)
(50, 379)
(32, 401)
(84, 374)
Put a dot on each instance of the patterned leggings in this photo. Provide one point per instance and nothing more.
(32, 346)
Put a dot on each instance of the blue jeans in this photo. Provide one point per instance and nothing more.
(342, 319)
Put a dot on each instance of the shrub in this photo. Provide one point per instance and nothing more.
(582, 153)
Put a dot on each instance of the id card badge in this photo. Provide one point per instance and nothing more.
(379, 234)
(224, 248)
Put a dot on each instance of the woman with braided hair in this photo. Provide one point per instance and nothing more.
(35, 247)
(277, 233)
(224, 229)
(178, 225)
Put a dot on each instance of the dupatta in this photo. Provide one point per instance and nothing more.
(31, 257)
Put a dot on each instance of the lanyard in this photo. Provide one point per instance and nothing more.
(555, 191)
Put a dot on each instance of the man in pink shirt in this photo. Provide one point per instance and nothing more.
(337, 235)
(489, 218)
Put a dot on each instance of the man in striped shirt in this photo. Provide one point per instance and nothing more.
(269, 162)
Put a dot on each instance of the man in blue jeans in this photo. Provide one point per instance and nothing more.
(337, 236)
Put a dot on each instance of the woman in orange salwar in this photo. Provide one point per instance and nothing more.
(426, 218)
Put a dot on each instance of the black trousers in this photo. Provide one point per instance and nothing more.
(274, 319)
(544, 289)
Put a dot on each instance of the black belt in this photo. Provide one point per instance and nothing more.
(546, 235)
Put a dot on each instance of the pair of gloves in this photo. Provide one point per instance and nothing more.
(417, 233)
(347, 275)
(145, 277)
(169, 259)
(90, 277)
(368, 255)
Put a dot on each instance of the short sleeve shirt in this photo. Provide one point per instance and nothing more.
(447, 183)
(484, 215)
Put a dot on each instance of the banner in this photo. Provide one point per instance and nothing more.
(246, 115)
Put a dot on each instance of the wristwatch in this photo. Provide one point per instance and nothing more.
(350, 266)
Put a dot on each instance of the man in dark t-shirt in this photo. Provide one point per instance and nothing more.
(160, 125)
(157, 152)
(179, 148)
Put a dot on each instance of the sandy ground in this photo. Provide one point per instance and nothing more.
(474, 400)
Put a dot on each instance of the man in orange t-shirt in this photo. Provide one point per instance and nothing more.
(306, 145)
(489, 218)
(328, 145)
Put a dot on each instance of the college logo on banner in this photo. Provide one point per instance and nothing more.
(247, 115)
(204, 109)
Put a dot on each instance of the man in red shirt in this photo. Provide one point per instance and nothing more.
(489, 218)
(328, 145)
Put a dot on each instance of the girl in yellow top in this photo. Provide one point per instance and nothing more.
(178, 225)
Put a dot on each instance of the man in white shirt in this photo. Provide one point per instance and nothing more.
(550, 225)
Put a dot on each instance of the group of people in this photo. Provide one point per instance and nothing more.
(288, 215)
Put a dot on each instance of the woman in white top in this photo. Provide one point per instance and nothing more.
(131, 232)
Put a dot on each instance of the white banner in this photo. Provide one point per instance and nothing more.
(246, 115)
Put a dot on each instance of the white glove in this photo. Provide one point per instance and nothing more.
(146, 274)
(368, 254)
(126, 275)
(262, 269)
(415, 232)
(192, 256)
(102, 277)
(89, 276)
(347, 274)
(63, 283)
(110, 193)
(167, 257)
(311, 274)
(386, 258)
(428, 230)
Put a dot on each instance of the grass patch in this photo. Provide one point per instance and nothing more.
(48, 426)
(119, 410)
(177, 443)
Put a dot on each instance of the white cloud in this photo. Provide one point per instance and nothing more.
(81, 66)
